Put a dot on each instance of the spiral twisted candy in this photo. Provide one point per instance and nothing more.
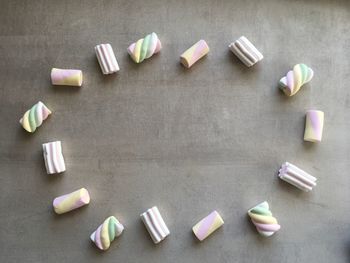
(145, 48)
(34, 117)
(263, 220)
(292, 82)
(107, 232)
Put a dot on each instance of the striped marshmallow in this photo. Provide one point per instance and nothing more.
(53, 157)
(246, 51)
(106, 59)
(297, 177)
(155, 224)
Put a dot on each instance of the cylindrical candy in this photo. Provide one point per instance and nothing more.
(297, 177)
(106, 59)
(263, 220)
(292, 82)
(246, 51)
(145, 48)
(314, 126)
(194, 53)
(107, 232)
(53, 157)
(66, 77)
(69, 202)
(34, 117)
(207, 225)
(155, 224)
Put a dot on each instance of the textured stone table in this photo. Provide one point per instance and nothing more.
(188, 141)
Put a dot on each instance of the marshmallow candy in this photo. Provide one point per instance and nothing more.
(107, 232)
(106, 59)
(34, 117)
(297, 177)
(194, 53)
(263, 220)
(207, 225)
(155, 224)
(246, 51)
(292, 82)
(69, 202)
(314, 126)
(53, 157)
(66, 77)
(145, 48)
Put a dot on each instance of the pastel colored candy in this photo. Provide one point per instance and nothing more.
(292, 82)
(69, 202)
(145, 48)
(155, 224)
(34, 117)
(207, 225)
(66, 77)
(194, 53)
(314, 126)
(263, 220)
(297, 177)
(53, 157)
(246, 51)
(106, 59)
(107, 232)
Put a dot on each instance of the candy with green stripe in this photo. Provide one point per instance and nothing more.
(295, 79)
(34, 117)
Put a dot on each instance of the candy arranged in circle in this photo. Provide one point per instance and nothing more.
(145, 48)
(107, 232)
(207, 225)
(71, 201)
(66, 77)
(292, 82)
(155, 224)
(263, 220)
(194, 53)
(314, 126)
(246, 51)
(53, 157)
(34, 117)
(106, 59)
(297, 177)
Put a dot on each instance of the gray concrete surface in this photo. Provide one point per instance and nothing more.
(188, 141)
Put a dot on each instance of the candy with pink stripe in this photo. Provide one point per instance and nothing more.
(314, 126)
(106, 59)
(66, 77)
(194, 53)
(155, 224)
(71, 201)
(53, 157)
(208, 225)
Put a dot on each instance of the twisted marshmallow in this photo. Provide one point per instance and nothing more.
(263, 220)
(314, 126)
(292, 82)
(34, 117)
(145, 48)
(107, 232)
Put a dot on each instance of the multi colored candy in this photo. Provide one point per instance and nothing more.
(34, 117)
(155, 224)
(67, 77)
(71, 201)
(292, 82)
(246, 51)
(145, 48)
(194, 53)
(53, 157)
(314, 126)
(106, 59)
(297, 177)
(107, 232)
(207, 225)
(263, 220)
